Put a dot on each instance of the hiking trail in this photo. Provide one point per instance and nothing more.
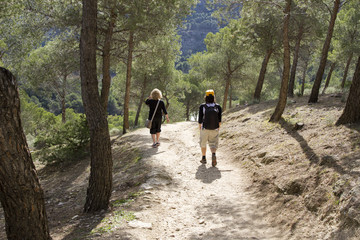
(200, 201)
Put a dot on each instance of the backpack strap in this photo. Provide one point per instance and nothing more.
(155, 110)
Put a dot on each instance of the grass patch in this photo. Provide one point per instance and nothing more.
(270, 126)
(109, 224)
(122, 215)
(118, 216)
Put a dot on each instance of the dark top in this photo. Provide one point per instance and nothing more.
(202, 116)
(152, 104)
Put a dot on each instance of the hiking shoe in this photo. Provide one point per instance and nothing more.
(213, 160)
(203, 161)
(157, 144)
(154, 145)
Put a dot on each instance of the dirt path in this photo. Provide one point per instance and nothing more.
(200, 202)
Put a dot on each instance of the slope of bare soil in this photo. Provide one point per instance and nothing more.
(308, 179)
(271, 182)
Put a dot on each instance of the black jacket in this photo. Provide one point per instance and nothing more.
(152, 104)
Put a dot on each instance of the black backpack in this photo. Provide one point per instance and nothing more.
(211, 117)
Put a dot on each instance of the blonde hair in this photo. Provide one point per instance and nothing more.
(156, 94)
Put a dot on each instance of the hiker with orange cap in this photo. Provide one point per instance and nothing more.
(209, 124)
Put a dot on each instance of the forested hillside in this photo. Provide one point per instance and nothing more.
(193, 32)
(74, 75)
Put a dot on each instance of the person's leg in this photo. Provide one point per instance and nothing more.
(153, 136)
(213, 144)
(203, 151)
(157, 130)
(158, 137)
(203, 142)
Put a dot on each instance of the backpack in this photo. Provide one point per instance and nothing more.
(211, 117)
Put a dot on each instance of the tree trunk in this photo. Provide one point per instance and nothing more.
(106, 81)
(21, 195)
(295, 62)
(226, 93)
(286, 71)
(142, 98)
(128, 82)
(63, 104)
(100, 181)
(188, 110)
(351, 112)
(316, 87)
(304, 77)
(230, 97)
(329, 77)
(167, 100)
(261, 78)
(346, 71)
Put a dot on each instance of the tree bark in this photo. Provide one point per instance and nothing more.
(316, 87)
(226, 92)
(329, 77)
(128, 82)
(295, 62)
(100, 181)
(304, 77)
(346, 71)
(106, 57)
(228, 82)
(351, 112)
(262, 73)
(230, 97)
(167, 100)
(142, 98)
(21, 195)
(286, 71)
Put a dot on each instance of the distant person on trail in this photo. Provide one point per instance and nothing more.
(209, 124)
(154, 100)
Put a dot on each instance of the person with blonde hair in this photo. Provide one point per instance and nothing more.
(209, 123)
(154, 102)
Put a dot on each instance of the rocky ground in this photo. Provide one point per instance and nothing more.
(271, 182)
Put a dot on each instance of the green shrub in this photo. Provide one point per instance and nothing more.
(176, 111)
(115, 122)
(34, 118)
(64, 141)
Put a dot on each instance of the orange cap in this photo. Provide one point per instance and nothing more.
(210, 92)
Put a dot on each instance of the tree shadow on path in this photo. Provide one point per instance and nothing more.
(207, 175)
(308, 151)
(327, 161)
(234, 220)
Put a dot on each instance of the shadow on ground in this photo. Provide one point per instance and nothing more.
(345, 165)
(207, 175)
(237, 221)
(65, 189)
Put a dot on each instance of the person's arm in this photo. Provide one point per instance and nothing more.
(164, 111)
(147, 100)
(162, 106)
(219, 116)
(201, 116)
